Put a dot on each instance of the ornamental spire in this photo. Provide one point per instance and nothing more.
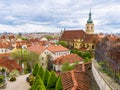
(90, 17)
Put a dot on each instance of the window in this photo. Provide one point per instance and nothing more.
(91, 27)
(42, 58)
(87, 27)
(2, 50)
(42, 64)
(5, 50)
(93, 46)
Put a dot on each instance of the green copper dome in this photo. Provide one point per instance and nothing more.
(90, 19)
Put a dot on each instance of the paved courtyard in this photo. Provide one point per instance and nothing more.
(19, 84)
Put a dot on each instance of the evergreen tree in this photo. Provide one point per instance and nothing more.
(46, 76)
(39, 87)
(35, 70)
(37, 78)
(52, 80)
(41, 72)
(39, 82)
(59, 84)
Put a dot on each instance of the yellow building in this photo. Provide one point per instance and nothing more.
(79, 39)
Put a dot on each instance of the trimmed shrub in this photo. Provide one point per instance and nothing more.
(59, 84)
(46, 76)
(39, 87)
(33, 84)
(52, 80)
(12, 79)
(39, 82)
(35, 70)
(41, 72)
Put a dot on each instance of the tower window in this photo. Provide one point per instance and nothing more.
(87, 27)
(91, 27)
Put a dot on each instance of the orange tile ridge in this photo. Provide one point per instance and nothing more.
(74, 81)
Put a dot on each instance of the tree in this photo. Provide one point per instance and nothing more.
(46, 76)
(35, 70)
(24, 56)
(41, 72)
(85, 55)
(39, 82)
(63, 43)
(59, 84)
(52, 80)
(67, 67)
(39, 87)
(33, 85)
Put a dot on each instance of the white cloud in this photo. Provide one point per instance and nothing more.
(28, 28)
(49, 14)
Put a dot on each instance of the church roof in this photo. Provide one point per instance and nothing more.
(70, 35)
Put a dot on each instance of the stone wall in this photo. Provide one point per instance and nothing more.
(103, 80)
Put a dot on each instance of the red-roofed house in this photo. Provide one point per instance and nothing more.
(71, 58)
(53, 51)
(9, 64)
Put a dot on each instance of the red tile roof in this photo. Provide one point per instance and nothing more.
(10, 64)
(71, 58)
(90, 38)
(56, 48)
(75, 80)
(70, 35)
(37, 49)
(53, 48)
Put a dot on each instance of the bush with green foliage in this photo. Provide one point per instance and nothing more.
(12, 79)
(35, 70)
(38, 81)
(85, 55)
(46, 80)
(46, 76)
(63, 43)
(59, 84)
(31, 79)
(52, 80)
(41, 72)
(67, 67)
(1, 78)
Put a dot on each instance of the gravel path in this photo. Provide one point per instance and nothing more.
(19, 84)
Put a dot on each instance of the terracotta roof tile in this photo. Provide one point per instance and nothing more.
(71, 58)
(90, 38)
(37, 49)
(75, 80)
(56, 48)
(10, 64)
(70, 35)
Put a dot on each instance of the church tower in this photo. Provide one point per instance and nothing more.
(90, 25)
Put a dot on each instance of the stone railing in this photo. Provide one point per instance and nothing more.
(103, 80)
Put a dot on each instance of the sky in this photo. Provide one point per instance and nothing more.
(55, 15)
